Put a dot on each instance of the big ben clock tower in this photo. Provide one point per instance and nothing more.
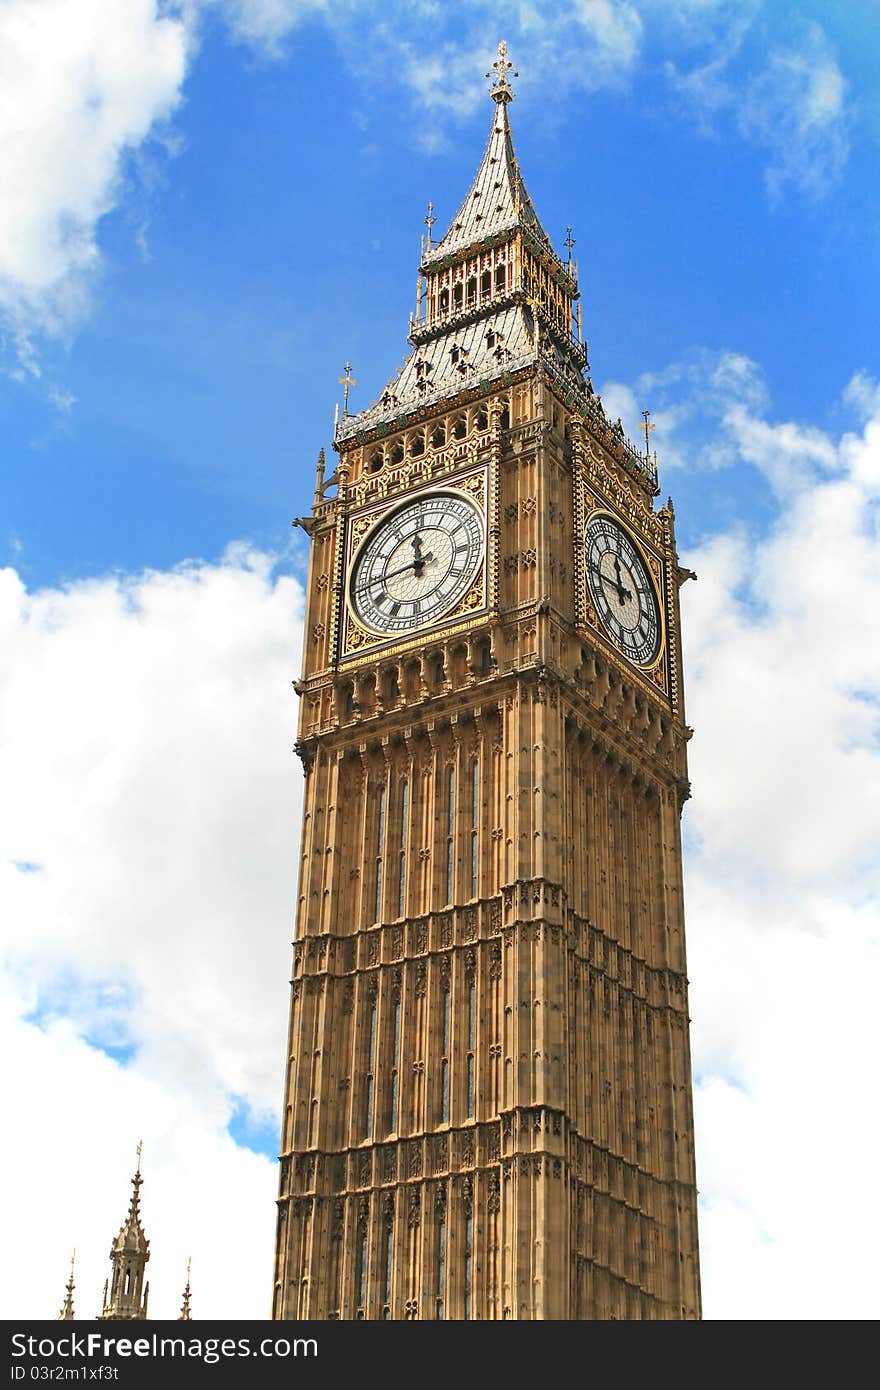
(488, 1108)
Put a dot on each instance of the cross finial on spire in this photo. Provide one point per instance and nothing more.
(501, 90)
(429, 223)
(346, 382)
(569, 242)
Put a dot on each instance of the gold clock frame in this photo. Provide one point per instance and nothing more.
(356, 639)
(588, 505)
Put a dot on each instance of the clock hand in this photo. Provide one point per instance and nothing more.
(620, 589)
(622, 593)
(380, 578)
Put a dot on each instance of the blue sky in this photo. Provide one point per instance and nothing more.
(213, 205)
(269, 230)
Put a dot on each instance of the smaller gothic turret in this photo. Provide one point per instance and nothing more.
(66, 1314)
(125, 1293)
(185, 1314)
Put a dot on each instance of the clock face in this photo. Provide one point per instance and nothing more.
(417, 563)
(622, 591)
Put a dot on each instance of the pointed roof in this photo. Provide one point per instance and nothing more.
(131, 1238)
(497, 200)
(487, 339)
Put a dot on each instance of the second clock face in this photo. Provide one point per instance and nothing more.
(622, 591)
(417, 563)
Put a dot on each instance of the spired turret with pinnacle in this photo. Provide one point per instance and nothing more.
(66, 1314)
(125, 1292)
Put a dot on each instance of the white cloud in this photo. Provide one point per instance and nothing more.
(81, 83)
(149, 834)
(782, 666)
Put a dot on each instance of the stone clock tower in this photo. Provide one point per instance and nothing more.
(488, 1107)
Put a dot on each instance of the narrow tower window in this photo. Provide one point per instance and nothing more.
(401, 870)
(475, 808)
(444, 1060)
(450, 833)
(371, 1073)
(393, 1120)
(472, 1035)
(389, 1252)
(361, 1272)
(439, 1293)
(468, 1259)
(380, 851)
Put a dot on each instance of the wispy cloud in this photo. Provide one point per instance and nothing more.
(796, 110)
(82, 84)
(791, 102)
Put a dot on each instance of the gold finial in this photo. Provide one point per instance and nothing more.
(501, 90)
(646, 415)
(346, 382)
(139, 1148)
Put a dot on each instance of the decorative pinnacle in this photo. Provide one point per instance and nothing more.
(346, 382)
(646, 415)
(66, 1314)
(319, 480)
(185, 1313)
(569, 242)
(501, 90)
(429, 223)
(136, 1181)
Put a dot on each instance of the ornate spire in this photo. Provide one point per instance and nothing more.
(501, 90)
(185, 1314)
(66, 1314)
(498, 200)
(129, 1253)
(483, 287)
